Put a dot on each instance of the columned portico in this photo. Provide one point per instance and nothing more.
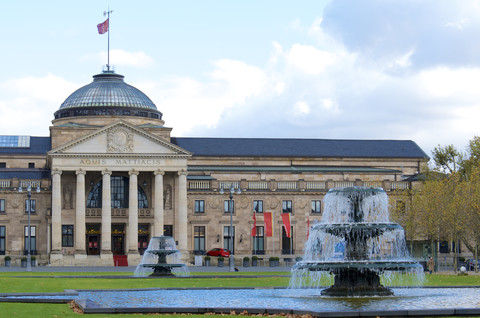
(106, 216)
(106, 248)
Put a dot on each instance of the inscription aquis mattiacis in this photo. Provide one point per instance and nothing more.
(120, 162)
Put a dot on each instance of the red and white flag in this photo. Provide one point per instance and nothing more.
(254, 228)
(103, 27)
(286, 223)
(267, 218)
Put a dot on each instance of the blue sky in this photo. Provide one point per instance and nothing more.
(371, 69)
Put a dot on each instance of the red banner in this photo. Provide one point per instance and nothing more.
(286, 223)
(267, 217)
(254, 228)
(103, 27)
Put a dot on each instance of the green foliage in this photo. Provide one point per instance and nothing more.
(254, 258)
(446, 158)
(207, 258)
(7, 258)
(274, 258)
(246, 258)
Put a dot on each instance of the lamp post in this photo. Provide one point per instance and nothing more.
(29, 208)
(230, 210)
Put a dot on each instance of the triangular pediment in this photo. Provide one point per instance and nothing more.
(120, 138)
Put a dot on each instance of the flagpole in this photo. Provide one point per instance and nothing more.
(273, 231)
(108, 41)
(108, 37)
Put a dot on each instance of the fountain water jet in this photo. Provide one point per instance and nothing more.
(356, 242)
(162, 257)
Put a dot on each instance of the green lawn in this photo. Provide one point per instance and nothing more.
(20, 282)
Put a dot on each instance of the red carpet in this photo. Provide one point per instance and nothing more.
(120, 260)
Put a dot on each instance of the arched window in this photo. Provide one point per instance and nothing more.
(119, 194)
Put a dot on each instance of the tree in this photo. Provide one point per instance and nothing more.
(446, 159)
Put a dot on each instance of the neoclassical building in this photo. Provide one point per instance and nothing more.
(111, 176)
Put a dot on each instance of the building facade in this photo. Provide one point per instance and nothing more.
(111, 176)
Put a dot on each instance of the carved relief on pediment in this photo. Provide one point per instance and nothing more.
(119, 139)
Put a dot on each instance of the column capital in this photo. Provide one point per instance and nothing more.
(106, 171)
(133, 172)
(56, 171)
(159, 173)
(80, 171)
(182, 172)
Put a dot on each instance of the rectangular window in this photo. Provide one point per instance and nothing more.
(3, 164)
(287, 242)
(31, 164)
(199, 206)
(259, 241)
(67, 235)
(2, 239)
(258, 206)
(226, 204)
(33, 240)
(287, 206)
(168, 230)
(2, 205)
(33, 207)
(316, 206)
(199, 238)
(227, 237)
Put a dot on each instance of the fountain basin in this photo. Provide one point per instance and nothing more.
(406, 302)
(378, 265)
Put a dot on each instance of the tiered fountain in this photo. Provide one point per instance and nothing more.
(161, 259)
(356, 242)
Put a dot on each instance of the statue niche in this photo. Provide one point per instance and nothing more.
(167, 197)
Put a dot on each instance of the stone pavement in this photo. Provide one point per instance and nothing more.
(131, 269)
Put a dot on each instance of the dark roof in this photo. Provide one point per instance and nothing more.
(297, 169)
(38, 146)
(6, 173)
(323, 148)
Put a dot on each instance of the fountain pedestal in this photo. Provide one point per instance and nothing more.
(155, 257)
(355, 282)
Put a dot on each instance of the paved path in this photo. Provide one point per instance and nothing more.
(131, 269)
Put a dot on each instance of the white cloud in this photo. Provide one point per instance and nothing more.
(309, 59)
(301, 108)
(32, 102)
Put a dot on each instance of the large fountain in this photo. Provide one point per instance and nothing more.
(356, 242)
(161, 259)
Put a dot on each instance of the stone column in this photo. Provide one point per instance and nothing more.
(182, 214)
(80, 215)
(158, 204)
(56, 212)
(106, 214)
(132, 237)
